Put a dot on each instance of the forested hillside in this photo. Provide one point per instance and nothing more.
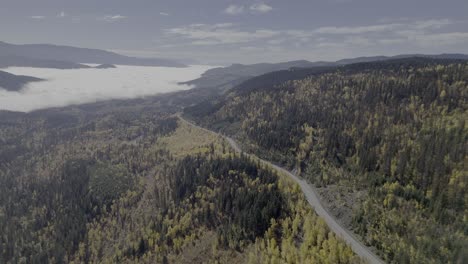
(395, 131)
(126, 182)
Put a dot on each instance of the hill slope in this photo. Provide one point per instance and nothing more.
(125, 182)
(388, 137)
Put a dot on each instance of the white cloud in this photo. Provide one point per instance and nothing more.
(67, 87)
(76, 19)
(234, 10)
(277, 41)
(252, 49)
(358, 41)
(425, 39)
(407, 26)
(37, 17)
(261, 8)
(432, 23)
(357, 29)
(416, 35)
(440, 39)
(62, 14)
(391, 41)
(203, 34)
(164, 14)
(112, 18)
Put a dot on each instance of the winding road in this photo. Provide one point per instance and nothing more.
(313, 199)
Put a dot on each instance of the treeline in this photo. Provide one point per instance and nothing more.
(397, 129)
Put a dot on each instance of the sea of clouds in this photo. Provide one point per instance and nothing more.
(77, 86)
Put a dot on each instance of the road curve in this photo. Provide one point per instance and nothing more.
(312, 197)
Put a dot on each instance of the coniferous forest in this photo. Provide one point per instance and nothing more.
(129, 182)
(135, 185)
(395, 130)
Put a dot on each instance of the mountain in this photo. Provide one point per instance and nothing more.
(14, 83)
(226, 78)
(21, 61)
(79, 55)
(384, 142)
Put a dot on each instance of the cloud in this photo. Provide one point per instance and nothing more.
(277, 41)
(430, 35)
(413, 26)
(61, 14)
(67, 87)
(438, 39)
(425, 39)
(164, 14)
(234, 10)
(216, 34)
(37, 17)
(112, 18)
(342, 1)
(261, 8)
(358, 41)
(251, 49)
(76, 19)
(392, 41)
(357, 30)
(432, 23)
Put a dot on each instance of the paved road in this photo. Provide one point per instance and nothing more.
(312, 197)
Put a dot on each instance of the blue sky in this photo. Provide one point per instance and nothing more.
(223, 32)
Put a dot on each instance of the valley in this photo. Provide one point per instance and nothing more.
(137, 185)
(167, 178)
(234, 132)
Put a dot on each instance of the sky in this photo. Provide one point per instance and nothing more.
(220, 32)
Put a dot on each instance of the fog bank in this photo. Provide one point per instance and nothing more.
(67, 87)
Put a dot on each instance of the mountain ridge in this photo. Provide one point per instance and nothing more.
(230, 76)
(21, 61)
(80, 55)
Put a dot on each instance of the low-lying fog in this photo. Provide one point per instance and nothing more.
(67, 87)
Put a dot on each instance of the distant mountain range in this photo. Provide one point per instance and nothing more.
(227, 77)
(221, 79)
(455, 56)
(66, 57)
(20, 61)
(15, 83)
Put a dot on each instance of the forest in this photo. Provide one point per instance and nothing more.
(121, 182)
(126, 181)
(395, 130)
